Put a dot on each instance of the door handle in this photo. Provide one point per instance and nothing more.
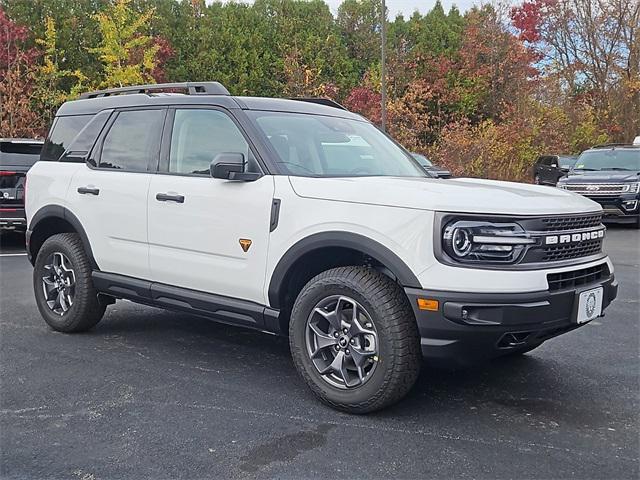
(166, 197)
(89, 191)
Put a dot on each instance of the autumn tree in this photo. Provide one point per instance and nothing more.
(49, 93)
(17, 74)
(126, 51)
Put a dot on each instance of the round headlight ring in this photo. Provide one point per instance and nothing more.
(461, 241)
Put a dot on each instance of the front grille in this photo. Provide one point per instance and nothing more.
(598, 188)
(558, 228)
(566, 252)
(576, 278)
(571, 223)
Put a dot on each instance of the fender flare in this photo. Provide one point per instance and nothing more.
(349, 240)
(58, 211)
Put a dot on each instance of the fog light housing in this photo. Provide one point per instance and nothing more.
(630, 205)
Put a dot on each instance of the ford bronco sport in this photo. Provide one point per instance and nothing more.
(302, 218)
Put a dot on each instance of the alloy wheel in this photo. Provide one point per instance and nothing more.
(58, 283)
(342, 341)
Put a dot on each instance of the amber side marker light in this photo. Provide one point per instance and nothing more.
(428, 304)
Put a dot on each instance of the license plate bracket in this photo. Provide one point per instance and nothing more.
(589, 304)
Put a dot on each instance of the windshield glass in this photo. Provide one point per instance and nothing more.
(567, 162)
(321, 146)
(617, 159)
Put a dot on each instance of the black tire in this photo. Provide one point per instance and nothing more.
(399, 356)
(85, 311)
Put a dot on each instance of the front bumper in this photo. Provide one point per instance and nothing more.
(623, 208)
(468, 327)
(12, 219)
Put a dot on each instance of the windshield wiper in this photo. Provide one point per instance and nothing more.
(618, 168)
(586, 169)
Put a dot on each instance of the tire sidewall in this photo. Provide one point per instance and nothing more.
(70, 318)
(308, 299)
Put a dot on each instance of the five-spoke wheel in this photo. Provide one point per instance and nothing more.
(342, 341)
(354, 339)
(59, 283)
(62, 283)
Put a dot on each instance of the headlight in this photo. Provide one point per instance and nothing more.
(471, 241)
(634, 187)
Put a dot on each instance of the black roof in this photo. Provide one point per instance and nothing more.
(203, 93)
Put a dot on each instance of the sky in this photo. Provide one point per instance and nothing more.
(407, 7)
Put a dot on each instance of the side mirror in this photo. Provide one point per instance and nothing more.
(230, 166)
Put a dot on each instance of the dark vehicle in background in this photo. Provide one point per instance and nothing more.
(432, 169)
(610, 175)
(17, 155)
(548, 169)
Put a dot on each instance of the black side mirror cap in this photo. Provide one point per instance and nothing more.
(231, 166)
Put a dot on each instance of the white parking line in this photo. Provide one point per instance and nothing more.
(13, 254)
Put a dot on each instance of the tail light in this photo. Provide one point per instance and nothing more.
(5, 173)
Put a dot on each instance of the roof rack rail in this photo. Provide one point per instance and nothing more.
(321, 101)
(609, 145)
(192, 88)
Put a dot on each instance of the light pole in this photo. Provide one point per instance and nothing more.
(383, 67)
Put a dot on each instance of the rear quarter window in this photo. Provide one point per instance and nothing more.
(63, 131)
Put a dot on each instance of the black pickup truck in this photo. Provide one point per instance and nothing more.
(17, 155)
(610, 175)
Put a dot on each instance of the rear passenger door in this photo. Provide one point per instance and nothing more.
(109, 194)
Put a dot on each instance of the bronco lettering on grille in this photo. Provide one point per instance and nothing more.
(574, 237)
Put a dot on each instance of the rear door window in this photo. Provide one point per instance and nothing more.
(64, 130)
(133, 142)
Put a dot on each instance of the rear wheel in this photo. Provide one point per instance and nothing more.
(354, 339)
(63, 288)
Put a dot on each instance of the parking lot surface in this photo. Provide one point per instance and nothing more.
(155, 394)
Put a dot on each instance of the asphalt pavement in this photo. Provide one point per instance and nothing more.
(150, 394)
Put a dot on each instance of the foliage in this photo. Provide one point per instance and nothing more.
(49, 93)
(482, 92)
(128, 55)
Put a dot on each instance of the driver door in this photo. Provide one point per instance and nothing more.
(199, 226)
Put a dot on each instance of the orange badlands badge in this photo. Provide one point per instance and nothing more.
(245, 243)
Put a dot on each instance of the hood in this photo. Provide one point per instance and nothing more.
(602, 177)
(465, 195)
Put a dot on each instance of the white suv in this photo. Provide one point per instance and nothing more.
(303, 219)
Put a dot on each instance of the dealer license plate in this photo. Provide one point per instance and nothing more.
(589, 304)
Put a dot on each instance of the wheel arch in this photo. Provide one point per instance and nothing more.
(51, 220)
(346, 244)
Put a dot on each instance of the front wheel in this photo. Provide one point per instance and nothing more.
(62, 284)
(354, 339)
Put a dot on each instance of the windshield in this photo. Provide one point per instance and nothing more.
(422, 160)
(614, 159)
(321, 146)
(567, 162)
